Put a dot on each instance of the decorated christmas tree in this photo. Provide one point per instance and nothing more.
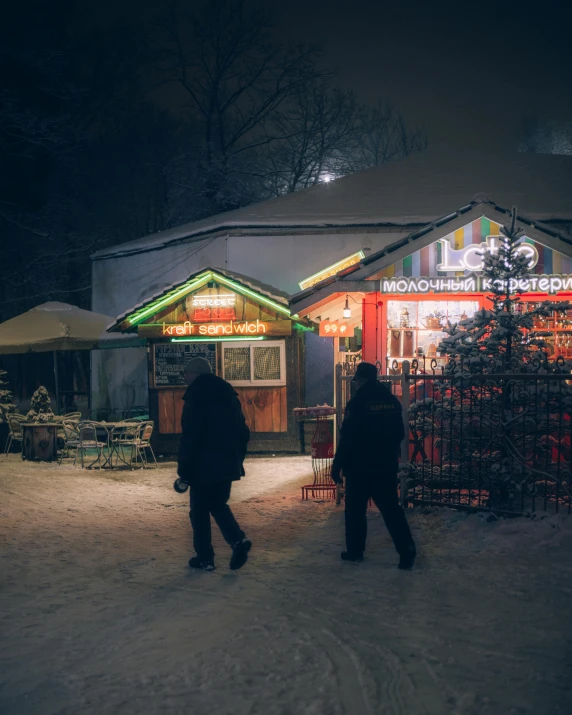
(6, 400)
(497, 422)
(41, 407)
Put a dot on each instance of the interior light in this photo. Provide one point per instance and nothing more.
(347, 311)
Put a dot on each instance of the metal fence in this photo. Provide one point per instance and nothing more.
(499, 442)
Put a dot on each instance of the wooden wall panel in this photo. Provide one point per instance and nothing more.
(276, 408)
(280, 414)
(263, 401)
(248, 408)
(166, 411)
(170, 408)
(265, 408)
(178, 408)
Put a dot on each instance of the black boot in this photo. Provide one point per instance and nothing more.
(196, 563)
(240, 554)
(407, 558)
(356, 558)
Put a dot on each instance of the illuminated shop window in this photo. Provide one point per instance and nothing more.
(555, 329)
(255, 364)
(415, 328)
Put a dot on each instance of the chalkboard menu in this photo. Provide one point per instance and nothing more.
(170, 361)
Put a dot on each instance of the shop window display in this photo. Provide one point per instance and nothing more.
(415, 327)
(555, 330)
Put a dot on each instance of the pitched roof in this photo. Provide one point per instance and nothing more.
(279, 296)
(408, 192)
(199, 278)
(356, 277)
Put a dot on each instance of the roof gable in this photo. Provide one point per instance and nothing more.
(172, 304)
(422, 246)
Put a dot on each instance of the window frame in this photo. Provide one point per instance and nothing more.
(281, 382)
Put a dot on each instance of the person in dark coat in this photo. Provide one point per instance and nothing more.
(212, 450)
(368, 457)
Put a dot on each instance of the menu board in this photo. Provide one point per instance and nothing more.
(170, 361)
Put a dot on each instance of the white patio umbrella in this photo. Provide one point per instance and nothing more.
(53, 326)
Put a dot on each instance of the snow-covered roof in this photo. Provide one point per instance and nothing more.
(406, 192)
(59, 326)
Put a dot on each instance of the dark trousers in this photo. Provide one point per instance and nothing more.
(382, 490)
(207, 499)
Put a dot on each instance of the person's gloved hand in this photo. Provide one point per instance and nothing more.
(180, 486)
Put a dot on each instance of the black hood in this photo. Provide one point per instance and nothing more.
(210, 386)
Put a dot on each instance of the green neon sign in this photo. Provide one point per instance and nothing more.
(213, 340)
(259, 298)
(156, 305)
(161, 302)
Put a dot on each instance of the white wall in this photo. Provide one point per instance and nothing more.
(119, 376)
(121, 283)
(283, 261)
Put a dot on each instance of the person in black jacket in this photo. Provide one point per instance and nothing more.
(212, 449)
(368, 456)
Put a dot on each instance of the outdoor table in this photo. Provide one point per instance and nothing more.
(115, 430)
(40, 441)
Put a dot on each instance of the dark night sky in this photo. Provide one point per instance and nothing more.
(467, 72)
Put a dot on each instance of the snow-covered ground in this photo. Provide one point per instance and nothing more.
(99, 613)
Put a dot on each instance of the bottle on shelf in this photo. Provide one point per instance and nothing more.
(394, 343)
(408, 343)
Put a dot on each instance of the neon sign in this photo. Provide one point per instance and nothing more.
(229, 329)
(208, 307)
(332, 270)
(476, 284)
(470, 258)
(223, 300)
(336, 328)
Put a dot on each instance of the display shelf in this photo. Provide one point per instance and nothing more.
(412, 325)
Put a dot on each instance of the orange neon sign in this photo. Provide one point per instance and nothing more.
(336, 329)
(229, 328)
(247, 327)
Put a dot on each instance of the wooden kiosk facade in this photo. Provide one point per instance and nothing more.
(245, 330)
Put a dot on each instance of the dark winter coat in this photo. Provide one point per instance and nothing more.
(214, 435)
(371, 434)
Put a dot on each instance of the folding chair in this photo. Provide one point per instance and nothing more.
(16, 433)
(90, 440)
